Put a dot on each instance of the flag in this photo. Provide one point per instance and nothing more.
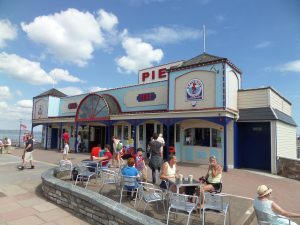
(23, 126)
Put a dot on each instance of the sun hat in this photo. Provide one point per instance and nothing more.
(263, 190)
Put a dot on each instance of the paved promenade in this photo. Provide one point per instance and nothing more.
(21, 201)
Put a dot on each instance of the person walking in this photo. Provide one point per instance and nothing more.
(117, 147)
(156, 159)
(66, 137)
(79, 141)
(27, 155)
(161, 140)
(66, 151)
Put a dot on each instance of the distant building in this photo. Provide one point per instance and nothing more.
(198, 105)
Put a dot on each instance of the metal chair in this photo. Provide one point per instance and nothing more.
(264, 218)
(85, 172)
(215, 203)
(129, 184)
(65, 165)
(148, 194)
(182, 204)
(108, 177)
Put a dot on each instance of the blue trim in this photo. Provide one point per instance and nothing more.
(168, 140)
(225, 147)
(76, 133)
(108, 134)
(235, 145)
(47, 136)
(134, 142)
(59, 135)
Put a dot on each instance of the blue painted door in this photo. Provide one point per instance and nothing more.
(254, 146)
(54, 137)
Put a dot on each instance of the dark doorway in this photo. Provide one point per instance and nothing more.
(54, 137)
(149, 132)
(254, 146)
(97, 136)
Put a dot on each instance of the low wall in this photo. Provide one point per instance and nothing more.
(289, 168)
(93, 207)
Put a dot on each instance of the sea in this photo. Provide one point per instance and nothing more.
(15, 134)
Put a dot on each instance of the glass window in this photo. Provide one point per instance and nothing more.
(141, 132)
(125, 132)
(202, 137)
(177, 132)
(216, 138)
(119, 131)
(188, 139)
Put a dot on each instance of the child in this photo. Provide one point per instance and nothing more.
(140, 164)
(66, 151)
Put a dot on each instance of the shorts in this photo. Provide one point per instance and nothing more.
(216, 186)
(28, 156)
(143, 174)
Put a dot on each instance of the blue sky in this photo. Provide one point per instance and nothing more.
(82, 46)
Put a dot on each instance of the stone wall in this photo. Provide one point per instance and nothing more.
(93, 207)
(289, 168)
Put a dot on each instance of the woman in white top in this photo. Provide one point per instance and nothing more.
(212, 180)
(263, 203)
(169, 171)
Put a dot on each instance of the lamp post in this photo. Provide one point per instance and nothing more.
(20, 133)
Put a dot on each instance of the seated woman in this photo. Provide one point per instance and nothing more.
(263, 203)
(212, 180)
(169, 171)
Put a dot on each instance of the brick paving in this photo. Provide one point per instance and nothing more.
(21, 201)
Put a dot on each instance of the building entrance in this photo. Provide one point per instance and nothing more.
(97, 136)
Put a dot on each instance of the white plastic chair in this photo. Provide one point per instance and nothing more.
(108, 177)
(148, 194)
(65, 165)
(129, 184)
(85, 172)
(264, 218)
(182, 204)
(215, 203)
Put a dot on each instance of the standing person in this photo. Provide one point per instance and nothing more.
(117, 147)
(66, 137)
(79, 141)
(263, 203)
(140, 164)
(66, 151)
(155, 160)
(161, 140)
(7, 142)
(27, 155)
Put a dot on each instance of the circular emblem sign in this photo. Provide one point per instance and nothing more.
(194, 90)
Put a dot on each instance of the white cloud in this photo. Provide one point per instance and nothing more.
(139, 55)
(14, 112)
(4, 92)
(70, 35)
(264, 44)
(19, 93)
(293, 66)
(95, 89)
(71, 90)
(63, 75)
(25, 103)
(31, 72)
(7, 32)
(107, 21)
(23, 69)
(163, 35)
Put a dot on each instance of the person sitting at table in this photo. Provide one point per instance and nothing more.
(96, 151)
(130, 170)
(7, 142)
(104, 160)
(169, 171)
(212, 180)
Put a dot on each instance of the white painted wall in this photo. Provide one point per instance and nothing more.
(277, 102)
(233, 86)
(253, 98)
(286, 140)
